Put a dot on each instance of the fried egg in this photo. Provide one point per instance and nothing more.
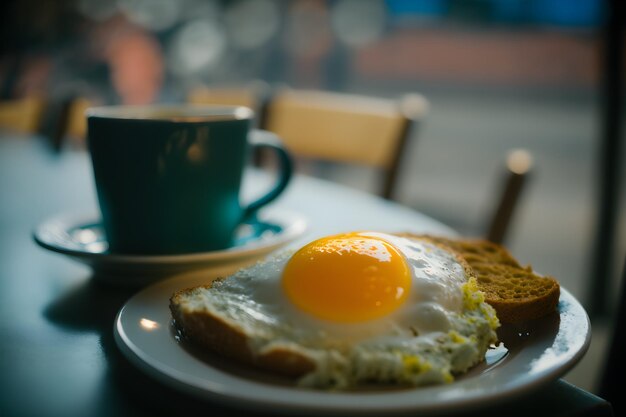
(364, 307)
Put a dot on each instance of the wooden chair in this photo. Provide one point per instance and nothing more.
(76, 128)
(346, 129)
(69, 125)
(252, 95)
(73, 126)
(518, 168)
(22, 115)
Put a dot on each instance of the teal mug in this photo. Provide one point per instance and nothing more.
(168, 177)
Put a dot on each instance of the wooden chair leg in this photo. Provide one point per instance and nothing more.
(519, 164)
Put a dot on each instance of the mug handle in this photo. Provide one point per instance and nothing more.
(264, 139)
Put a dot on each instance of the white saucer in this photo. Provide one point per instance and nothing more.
(81, 238)
(539, 351)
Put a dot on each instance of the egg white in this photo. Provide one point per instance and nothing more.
(437, 331)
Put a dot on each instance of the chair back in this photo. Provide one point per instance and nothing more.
(226, 96)
(69, 125)
(344, 128)
(252, 95)
(76, 129)
(21, 115)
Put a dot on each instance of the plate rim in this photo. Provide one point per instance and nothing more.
(352, 405)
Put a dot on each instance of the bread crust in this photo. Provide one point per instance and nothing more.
(225, 338)
(492, 265)
(517, 293)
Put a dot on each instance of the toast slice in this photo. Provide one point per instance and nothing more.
(217, 317)
(516, 292)
(225, 337)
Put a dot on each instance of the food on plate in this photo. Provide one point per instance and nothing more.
(516, 292)
(346, 310)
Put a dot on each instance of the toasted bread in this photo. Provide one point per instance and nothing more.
(516, 292)
(224, 337)
(205, 322)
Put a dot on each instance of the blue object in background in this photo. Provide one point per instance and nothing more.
(577, 13)
(511, 11)
(412, 8)
(564, 13)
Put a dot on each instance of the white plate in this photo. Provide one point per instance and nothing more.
(82, 239)
(538, 352)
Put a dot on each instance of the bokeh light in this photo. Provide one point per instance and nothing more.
(358, 23)
(197, 47)
(197, 9)
(308, 30)
(152, 14)
(251, 23)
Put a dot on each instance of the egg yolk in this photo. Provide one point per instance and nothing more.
(347, 278)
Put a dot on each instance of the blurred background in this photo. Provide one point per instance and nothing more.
(498, 75)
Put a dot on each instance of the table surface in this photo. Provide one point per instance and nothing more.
(57, 353)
